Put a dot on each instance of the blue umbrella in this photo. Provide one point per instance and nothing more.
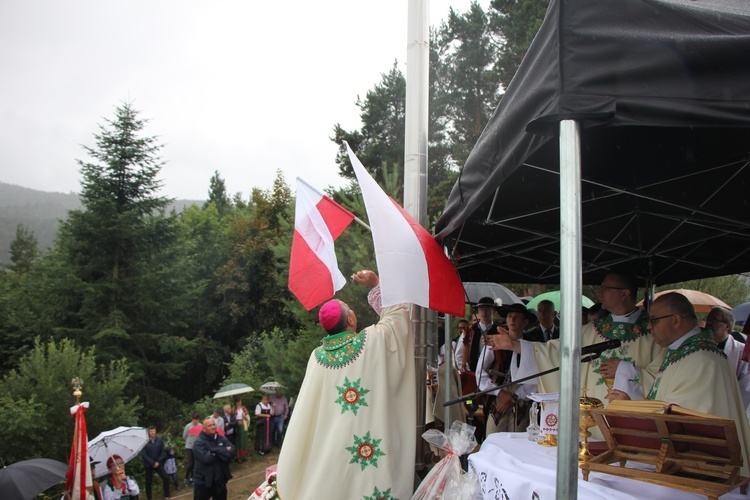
(741, 313)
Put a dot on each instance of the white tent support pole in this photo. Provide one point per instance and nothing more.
(415, 170)
(570, 310)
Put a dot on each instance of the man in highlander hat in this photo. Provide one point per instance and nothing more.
(354, 431)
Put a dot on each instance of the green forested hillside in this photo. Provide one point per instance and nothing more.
(40, 212)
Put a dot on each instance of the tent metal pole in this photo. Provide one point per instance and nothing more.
(570, 310)
(415, 169)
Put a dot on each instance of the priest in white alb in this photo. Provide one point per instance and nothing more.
(695, 373)
(353, 434)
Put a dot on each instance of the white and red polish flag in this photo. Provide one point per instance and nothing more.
(78, 482)
(314, 274)
(412, 266)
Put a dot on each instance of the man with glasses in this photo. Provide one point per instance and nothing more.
(721, 321)
(633, 365)
(695, 373)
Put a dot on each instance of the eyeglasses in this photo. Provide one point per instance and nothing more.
(604, 288)
(654, 319)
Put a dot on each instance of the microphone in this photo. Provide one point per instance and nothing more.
(600, 347)
(586, 350)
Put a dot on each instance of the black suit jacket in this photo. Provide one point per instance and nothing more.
(537, 334)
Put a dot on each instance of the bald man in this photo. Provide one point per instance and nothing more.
(354, 430)
(695, 373)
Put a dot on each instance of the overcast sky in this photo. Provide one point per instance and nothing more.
(243, 87)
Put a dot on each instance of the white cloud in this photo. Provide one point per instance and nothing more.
(241, 87)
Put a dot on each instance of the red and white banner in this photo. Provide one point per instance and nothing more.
(314, 274)
(78, 481)
(412, 266)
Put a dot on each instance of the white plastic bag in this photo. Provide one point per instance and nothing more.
(446, 479)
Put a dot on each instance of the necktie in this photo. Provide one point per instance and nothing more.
(548, 334)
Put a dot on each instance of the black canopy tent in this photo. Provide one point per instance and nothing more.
(658, 93)
(661, 90)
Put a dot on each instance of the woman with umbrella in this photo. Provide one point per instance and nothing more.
(263, 413)
(242, 422)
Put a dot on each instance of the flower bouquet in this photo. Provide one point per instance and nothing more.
(447, 479)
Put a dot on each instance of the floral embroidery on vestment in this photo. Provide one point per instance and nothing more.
(380, 495)
(609, 329)
(365, 451)
(351, 396)
(702, 341)
(340, 349)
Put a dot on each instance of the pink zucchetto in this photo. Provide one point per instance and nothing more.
(330, 314)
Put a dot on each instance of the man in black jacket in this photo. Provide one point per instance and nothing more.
(213, 454)
(547, 330)
(154, 455)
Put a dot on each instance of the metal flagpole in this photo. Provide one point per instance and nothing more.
(415, 171)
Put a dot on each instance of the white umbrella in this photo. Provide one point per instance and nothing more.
(270, 387)
(124, 441)
(475, 290)
(233, 390)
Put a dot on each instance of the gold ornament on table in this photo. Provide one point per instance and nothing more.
(586, 421)
(549, 440)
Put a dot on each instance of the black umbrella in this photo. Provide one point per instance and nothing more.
(25, 480)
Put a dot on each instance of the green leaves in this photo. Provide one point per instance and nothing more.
(36, 397)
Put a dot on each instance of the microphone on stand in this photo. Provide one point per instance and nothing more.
(593, 350)
(601, 347)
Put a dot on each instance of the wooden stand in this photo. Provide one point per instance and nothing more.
(700, 455)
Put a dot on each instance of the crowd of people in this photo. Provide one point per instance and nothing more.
(211, 445)
(358, 392)
(664, 354)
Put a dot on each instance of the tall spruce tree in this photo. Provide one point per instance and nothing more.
(217, 194)
(24, 250)
(121, 250)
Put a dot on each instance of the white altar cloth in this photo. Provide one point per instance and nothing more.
(509, 466)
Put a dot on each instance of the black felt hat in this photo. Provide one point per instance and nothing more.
(520, 308)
